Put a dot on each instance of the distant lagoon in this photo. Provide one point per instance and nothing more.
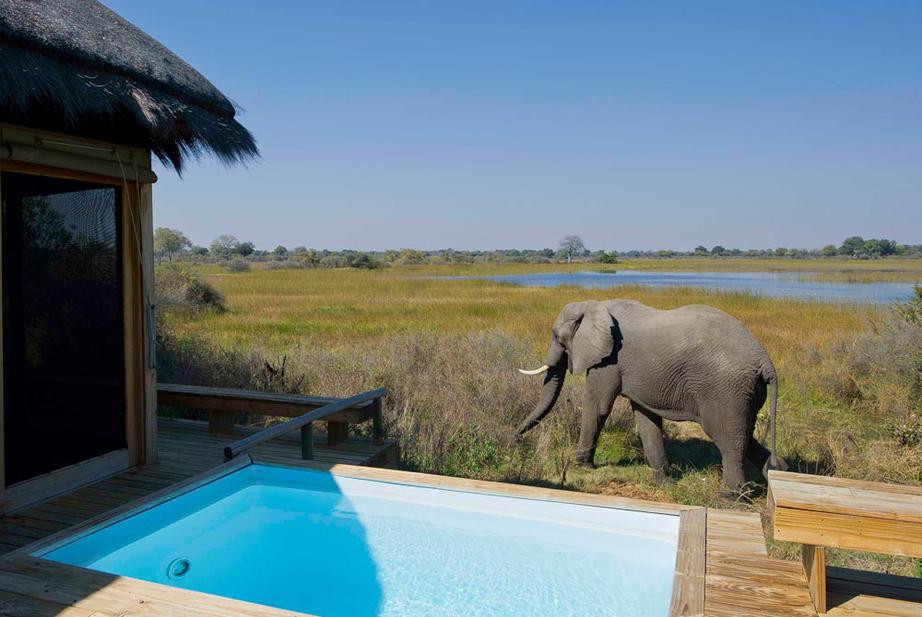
(773, 284)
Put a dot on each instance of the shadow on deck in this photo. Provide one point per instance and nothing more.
(185, 449)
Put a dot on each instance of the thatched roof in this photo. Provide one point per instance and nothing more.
(76, 67)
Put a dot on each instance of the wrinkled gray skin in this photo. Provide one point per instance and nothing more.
(691, 363)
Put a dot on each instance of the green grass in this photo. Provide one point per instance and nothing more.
(447, 350)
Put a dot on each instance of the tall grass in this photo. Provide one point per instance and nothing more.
(453, 402)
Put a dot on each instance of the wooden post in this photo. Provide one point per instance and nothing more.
(149, 322)
(307, 442)
(220, 422)
(377, 422)
(337, 432)
(2, 421)
(814, 560)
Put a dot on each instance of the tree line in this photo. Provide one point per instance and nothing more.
(170, 244)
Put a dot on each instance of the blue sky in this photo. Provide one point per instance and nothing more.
(511, 124)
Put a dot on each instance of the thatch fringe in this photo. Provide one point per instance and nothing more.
(43, 92)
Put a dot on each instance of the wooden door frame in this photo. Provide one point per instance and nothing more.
(136, 229)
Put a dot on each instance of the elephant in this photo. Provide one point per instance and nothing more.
(694, 363)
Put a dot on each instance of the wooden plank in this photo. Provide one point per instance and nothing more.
(321, 413)
(259, 403)
(132, 316)
(2, 421)
(741, 581)
(689, 580)
(109, 517)
(18, 605)
(106, 593)
(43, 487)
(62, 154)
(849, 532)
(843, 496)
(749, 585)
(834, 481)
(145, 194)
(50, 171)
(740, 532)
(872, 606)
(814, 562)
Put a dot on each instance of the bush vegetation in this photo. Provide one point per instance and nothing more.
(172, 242)
(177, 288)
(237, 265)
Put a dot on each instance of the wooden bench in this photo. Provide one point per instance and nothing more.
(820, 512)
(223, 403)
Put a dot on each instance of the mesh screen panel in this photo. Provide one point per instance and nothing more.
(63, 345)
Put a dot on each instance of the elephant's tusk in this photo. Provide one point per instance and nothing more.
(537, 371)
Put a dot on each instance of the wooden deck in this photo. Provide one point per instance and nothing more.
(742, 581)
(726, 549)
(186, 449)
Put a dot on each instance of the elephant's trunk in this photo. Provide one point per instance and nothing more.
(553, 383)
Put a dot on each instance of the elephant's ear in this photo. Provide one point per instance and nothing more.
(593, 341)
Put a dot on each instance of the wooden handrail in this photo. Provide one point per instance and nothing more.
(249, 401)
(223, 403)
(303, 421)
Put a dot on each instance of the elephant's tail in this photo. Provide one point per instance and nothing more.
(771, 379)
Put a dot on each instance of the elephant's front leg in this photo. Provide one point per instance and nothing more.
(650, 428)
(603, 384)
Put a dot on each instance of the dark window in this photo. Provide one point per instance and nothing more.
(63, 330)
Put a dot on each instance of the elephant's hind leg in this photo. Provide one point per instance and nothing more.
(728, 429)
(650, 427)
(757, 454)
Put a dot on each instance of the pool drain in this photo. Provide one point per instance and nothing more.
(178, 568)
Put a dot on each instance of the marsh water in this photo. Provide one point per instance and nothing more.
(782, 285)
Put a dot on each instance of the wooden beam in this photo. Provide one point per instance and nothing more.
(149, 342)
(2, 418)
(689, 579)
(59, 151)
(132, 323)
(259, 403)
(318, 414)
(814, 562)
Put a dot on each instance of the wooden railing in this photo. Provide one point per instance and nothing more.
(223, 403)
(305, 423)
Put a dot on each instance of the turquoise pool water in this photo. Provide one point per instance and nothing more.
(328, 545)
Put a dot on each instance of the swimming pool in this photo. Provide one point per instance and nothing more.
(328, 544)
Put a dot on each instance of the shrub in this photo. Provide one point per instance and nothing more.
(287, 264)
(177, 287)
(366, 261)
(238, 265)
